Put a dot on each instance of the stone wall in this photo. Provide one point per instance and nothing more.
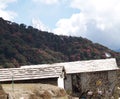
(68, 83)
(112, 77)
(94, 81)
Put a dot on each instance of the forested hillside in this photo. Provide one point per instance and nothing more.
(24, 45)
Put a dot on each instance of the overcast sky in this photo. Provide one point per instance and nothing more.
(97, 20)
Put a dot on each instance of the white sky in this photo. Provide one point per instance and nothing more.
(97, 20)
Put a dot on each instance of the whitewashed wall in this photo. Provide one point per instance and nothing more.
(61, 82)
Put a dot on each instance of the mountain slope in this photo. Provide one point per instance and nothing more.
(22, 45)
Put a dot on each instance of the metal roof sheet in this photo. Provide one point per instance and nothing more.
(84, 66)
(30, 73)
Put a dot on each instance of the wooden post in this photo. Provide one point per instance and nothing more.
(12, 76)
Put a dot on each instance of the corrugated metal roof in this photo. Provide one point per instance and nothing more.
(84, 66)
(30, 73)
(90, 66)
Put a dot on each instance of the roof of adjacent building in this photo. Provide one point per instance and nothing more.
(84, 66)
(30, 73)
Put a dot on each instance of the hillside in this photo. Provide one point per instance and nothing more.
(24, 45)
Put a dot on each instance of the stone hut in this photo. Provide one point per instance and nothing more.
(90, 75)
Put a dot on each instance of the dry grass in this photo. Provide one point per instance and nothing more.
(34, 91)
(3, 95)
